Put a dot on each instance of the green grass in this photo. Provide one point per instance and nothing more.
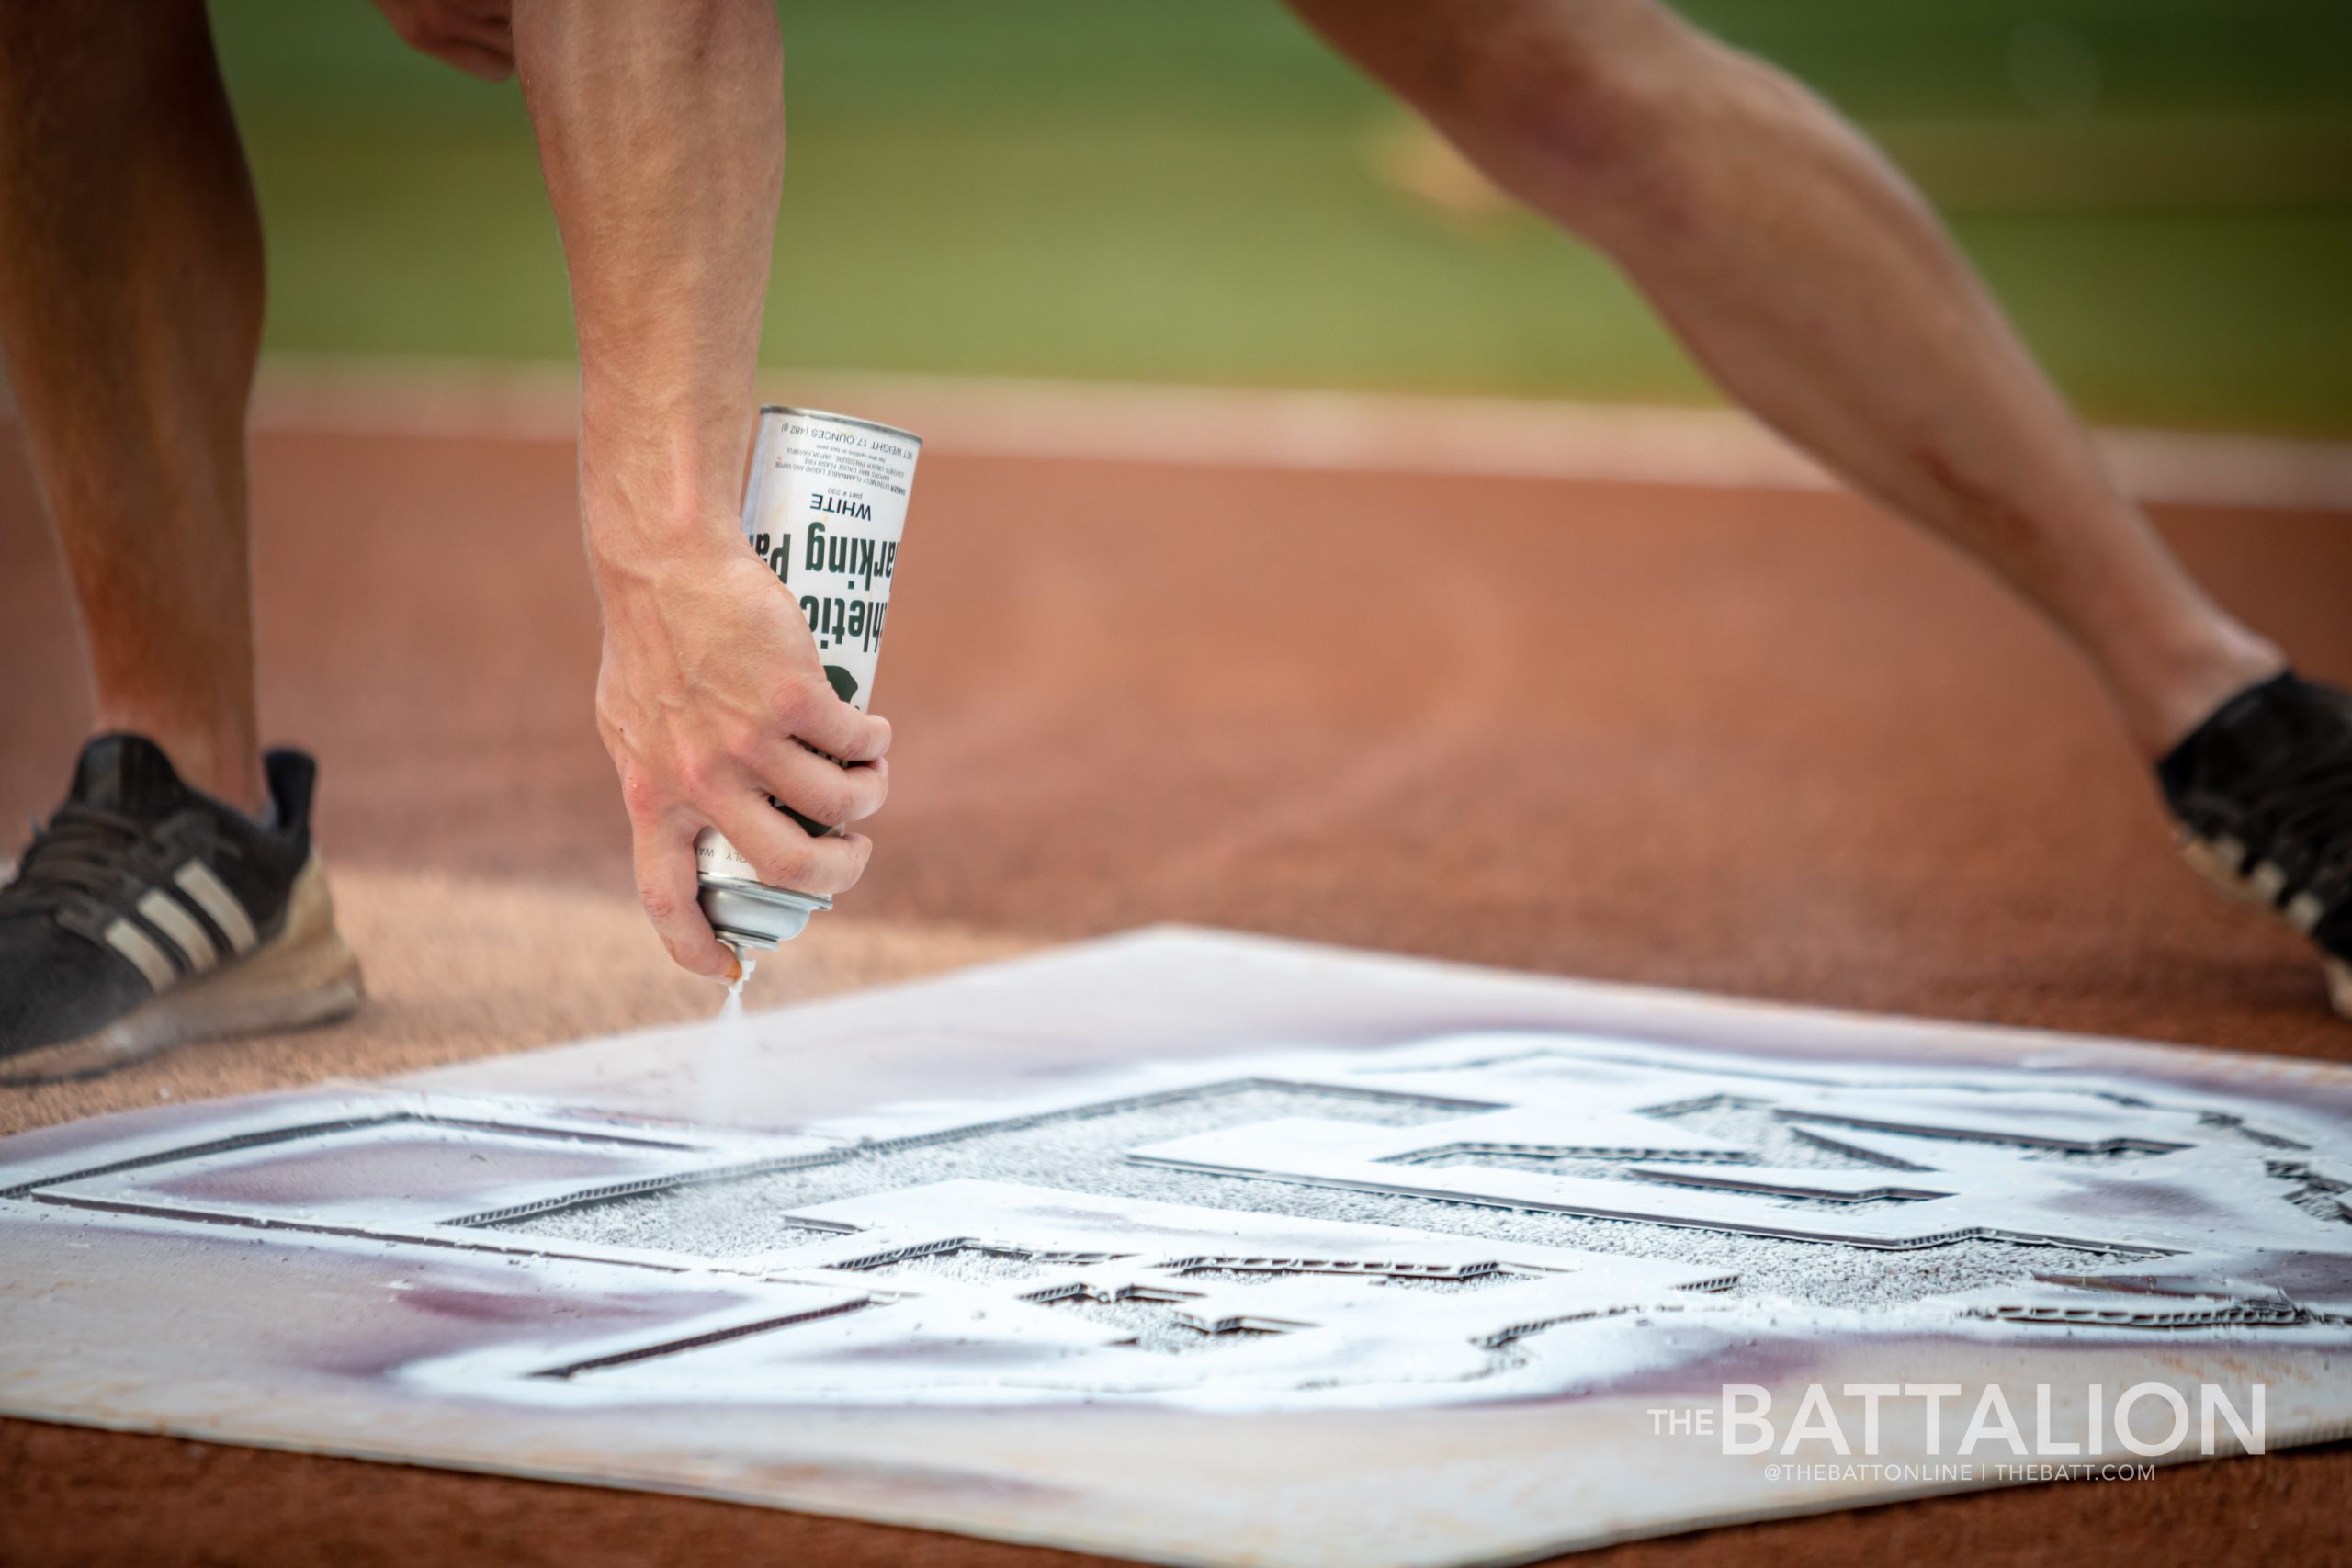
(1181, 190)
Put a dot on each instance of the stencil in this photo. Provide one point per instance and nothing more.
(1118, 1249)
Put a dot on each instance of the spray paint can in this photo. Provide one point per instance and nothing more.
(824, 508)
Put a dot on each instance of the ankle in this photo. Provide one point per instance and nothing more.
(225, 766)
(2165, 694)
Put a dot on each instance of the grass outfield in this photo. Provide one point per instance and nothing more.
(2161, 190)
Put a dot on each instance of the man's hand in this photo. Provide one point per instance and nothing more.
(475, 35)
(710, 697)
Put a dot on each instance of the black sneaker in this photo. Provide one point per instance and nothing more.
(147, 915)
(2263, 794)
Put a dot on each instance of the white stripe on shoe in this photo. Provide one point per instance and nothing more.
(141, 949)
(212, 896)
(164, 912)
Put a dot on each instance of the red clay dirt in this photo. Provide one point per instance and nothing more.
(1764, 743)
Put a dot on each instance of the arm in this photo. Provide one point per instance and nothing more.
(660, 131)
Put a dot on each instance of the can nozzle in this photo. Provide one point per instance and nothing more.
(745, 967)
(746, 948)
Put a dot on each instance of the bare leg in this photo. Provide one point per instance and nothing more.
(1815, 286)
(130, 300)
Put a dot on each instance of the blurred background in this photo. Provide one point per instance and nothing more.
(2161, 190)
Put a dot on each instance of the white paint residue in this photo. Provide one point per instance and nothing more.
(1461, 1219)
(1529, 1190)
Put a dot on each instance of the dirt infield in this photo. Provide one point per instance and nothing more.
(1761, 742)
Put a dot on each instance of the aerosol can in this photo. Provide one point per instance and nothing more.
(825, 506)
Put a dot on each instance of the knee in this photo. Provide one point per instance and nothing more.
(1569, 104)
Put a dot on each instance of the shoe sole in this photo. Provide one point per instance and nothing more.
(302, 978)
(2217, 865)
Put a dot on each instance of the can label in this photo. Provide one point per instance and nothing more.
(825, 507)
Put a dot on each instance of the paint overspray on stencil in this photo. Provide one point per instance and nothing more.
(1452, 1229)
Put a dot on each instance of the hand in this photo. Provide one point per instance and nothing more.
(475, 35)
(710, 696)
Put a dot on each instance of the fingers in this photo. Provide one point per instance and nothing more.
(666, 883)
(488, 31)
(489, 66)
(820, 788)
(814, 715)
(477, 38)
(786, 855)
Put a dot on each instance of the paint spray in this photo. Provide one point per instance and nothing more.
(824, 508)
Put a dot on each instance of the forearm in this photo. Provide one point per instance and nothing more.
(660, 130)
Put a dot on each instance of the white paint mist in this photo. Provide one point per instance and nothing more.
(727, 1062)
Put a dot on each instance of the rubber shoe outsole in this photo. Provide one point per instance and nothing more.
(2219, 868)
(303, 977)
